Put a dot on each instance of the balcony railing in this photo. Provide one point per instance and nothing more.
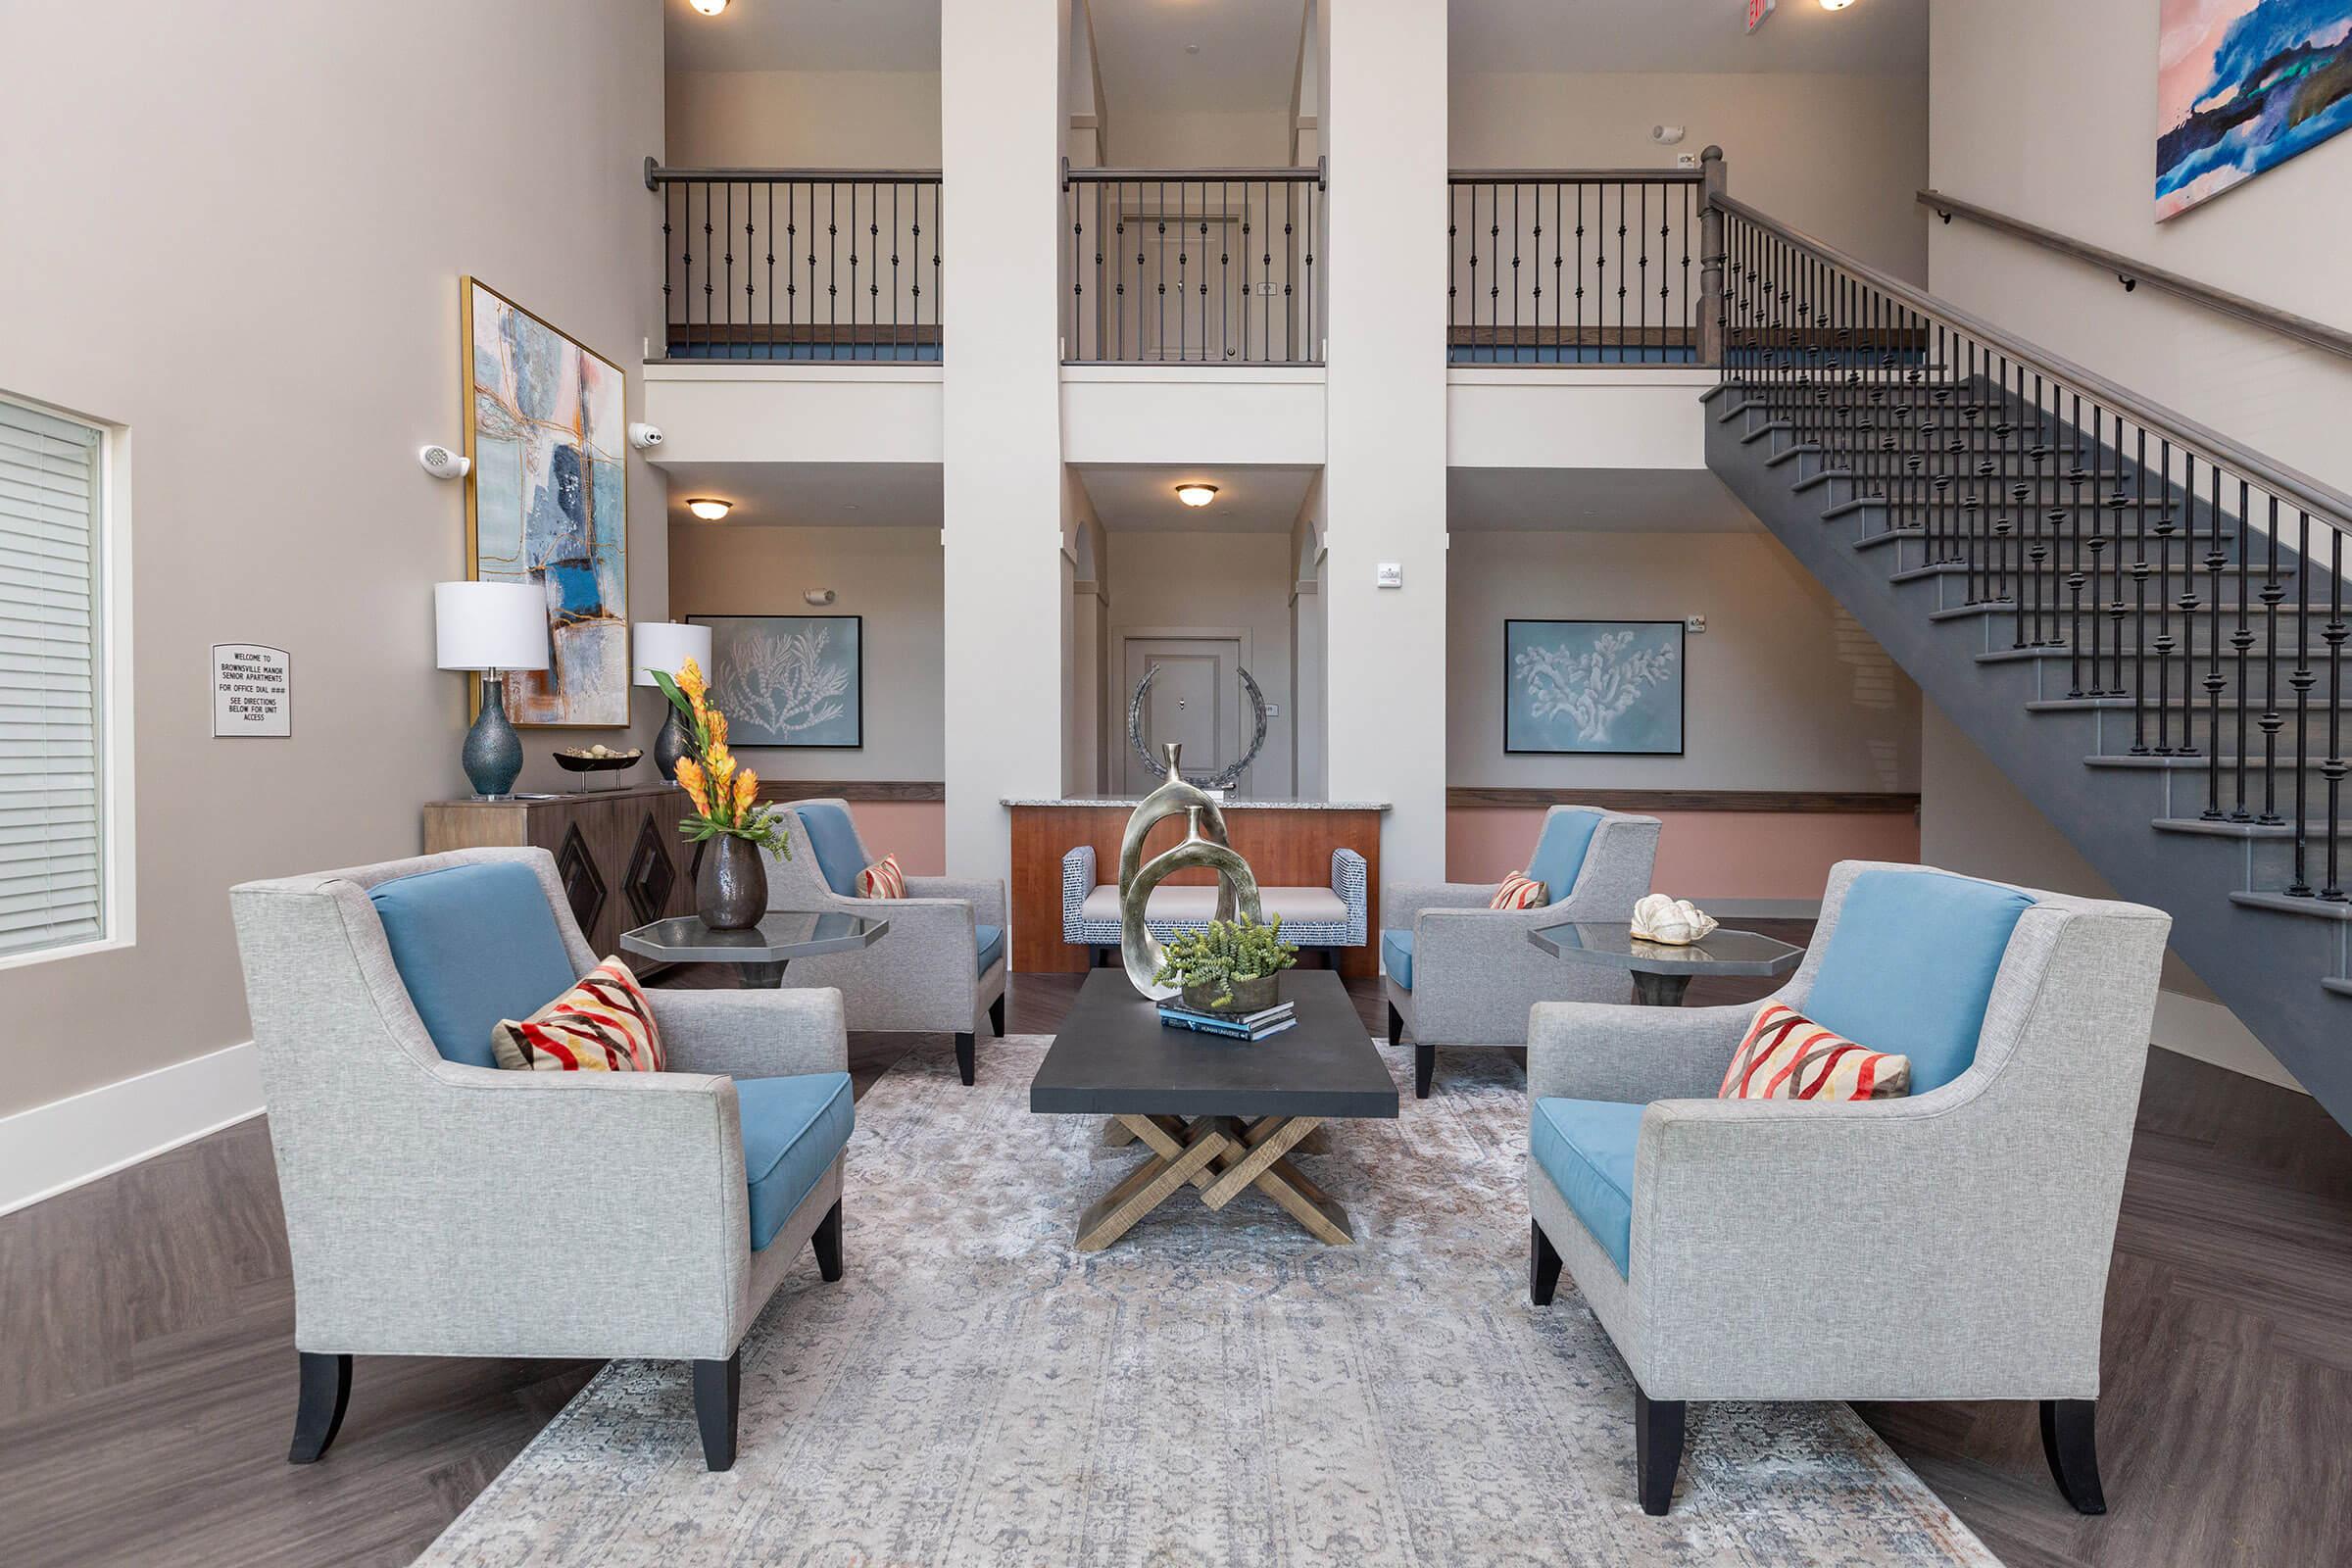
(799, 264)
(1577, 266)
(1193, 266)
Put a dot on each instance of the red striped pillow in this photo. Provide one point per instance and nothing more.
(1786, 1055)
(603, 1025)
(882, 880)
(1518, 891)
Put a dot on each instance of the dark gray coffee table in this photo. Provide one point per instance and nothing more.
(1663, 971)
(758, 953)
(1216, 1114)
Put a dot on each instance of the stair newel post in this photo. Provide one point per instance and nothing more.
(2273, 721)
(2301, 680)
(2334, 767)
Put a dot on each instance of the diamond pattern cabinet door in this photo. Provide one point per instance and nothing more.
(583, 885)
(652, 874)
(617, 852)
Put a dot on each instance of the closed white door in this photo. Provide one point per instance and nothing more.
(1196, 700)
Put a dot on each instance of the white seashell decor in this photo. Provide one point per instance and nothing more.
(1676, 922)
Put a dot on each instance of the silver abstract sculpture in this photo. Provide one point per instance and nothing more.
(1224, 778)
(1204, 846)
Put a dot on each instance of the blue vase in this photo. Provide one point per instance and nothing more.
(493, 754)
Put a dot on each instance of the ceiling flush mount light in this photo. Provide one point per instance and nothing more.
(709, 511)
(709, 8)
(1196, 495)
(1825, 4)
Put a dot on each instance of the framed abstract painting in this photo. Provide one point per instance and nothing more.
(789, 680)
(547, 502)
(1592, 686)
(2243, 85)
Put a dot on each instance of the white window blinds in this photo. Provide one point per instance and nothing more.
(52, 854)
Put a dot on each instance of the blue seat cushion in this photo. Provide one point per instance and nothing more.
(990, 941)
(792, 1128)
(1560, 852)
(834, 837)
(474, 944)
(1397, 951)
(1586, 1148)
(1910, 966)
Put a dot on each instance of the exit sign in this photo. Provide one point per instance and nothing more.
(1758, 10)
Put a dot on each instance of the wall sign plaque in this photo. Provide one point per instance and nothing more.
(253, 691)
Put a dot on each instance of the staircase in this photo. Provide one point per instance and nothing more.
(2140, 622)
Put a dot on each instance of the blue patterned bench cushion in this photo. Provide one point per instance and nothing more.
(990, 941)
(1397, 951)
(1586, 1148)
(792, 1128)
(1335, 917)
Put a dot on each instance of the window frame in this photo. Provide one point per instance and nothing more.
(111, 666)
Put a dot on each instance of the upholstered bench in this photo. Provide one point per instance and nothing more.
(1335, 917)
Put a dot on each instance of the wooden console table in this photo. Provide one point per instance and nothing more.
(618, 851)
(1286, 843)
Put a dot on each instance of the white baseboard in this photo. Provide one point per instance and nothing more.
(2211, 1033)
(53, 1148)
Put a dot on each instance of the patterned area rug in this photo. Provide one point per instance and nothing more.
(1216, 1388)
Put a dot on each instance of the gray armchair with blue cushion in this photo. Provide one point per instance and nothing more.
(942, 967)
(1951, 1245)
(1462, 974)
(437, 1204)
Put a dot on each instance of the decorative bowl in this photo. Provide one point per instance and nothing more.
(1249, 996)
(596, 760)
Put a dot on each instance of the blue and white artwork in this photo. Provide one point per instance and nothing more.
(547, 503)
(2243, 85)
(789, 680)
(1592, 686)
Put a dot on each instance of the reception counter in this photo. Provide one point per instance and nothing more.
(1286, 843)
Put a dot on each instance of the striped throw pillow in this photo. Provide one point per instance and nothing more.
(1786, 1055)
(882, 880)
(1518, 891)
(603, 1025)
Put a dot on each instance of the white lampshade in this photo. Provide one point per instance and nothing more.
(666, 646)
(489, 625)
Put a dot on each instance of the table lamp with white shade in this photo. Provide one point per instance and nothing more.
(491, 628)
(666, 646)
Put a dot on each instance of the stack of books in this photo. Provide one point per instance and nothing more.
(1232, 1025)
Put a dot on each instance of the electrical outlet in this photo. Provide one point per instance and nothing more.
(1694, 623)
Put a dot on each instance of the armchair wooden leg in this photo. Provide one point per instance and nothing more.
(996, 1017)
(825, 1241)
(1396, 1025)
(1657, 1450)
(318, 1409)
(963, 1059)
(1425, 1067)
(1542, 1265)
(718, 1397)
(2069, 1440)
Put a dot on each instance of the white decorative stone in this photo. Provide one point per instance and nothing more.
(1676, 922)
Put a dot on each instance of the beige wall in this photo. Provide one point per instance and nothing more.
(802, 118)
(1171, 139)
(893, 577)
(1838, 157)
(2048, 113)
(247, 251)
(1205, 580)
(1785, 690)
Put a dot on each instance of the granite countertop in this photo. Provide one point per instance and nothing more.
(1230, 804)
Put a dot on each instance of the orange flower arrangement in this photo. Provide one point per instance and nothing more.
(724, 794)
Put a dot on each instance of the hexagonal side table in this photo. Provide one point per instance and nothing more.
(758, 953)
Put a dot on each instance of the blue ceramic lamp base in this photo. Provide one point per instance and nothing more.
(493, 754)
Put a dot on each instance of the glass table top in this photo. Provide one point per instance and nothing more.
(1722, 951)
(780, 935)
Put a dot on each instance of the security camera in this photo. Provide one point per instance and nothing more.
(645, 437)
(443, 464)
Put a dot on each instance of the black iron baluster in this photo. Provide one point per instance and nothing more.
(2166, 524)
(2215, 560)
(2301, 680)
(2271, 592)
(2334, 768)
(2139, 601)
(2241, 639)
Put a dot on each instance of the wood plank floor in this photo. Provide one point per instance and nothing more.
(147, 1375)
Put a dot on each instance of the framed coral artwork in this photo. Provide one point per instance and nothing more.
(789, 680)
(547, 502)
(1605, 686)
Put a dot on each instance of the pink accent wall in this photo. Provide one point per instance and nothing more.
(915, 831)
(1701, 854)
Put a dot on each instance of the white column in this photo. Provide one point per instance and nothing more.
(1001, 133)
(1385, 473)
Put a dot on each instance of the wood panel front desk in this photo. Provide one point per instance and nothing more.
(1286, 843)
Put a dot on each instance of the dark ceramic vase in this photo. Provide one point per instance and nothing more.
(672, 744)
(730, 891)
(493, 754)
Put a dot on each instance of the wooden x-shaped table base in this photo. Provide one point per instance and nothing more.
(1222, 1156)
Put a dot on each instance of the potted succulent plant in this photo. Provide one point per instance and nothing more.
(1228, 965)
(730, 891)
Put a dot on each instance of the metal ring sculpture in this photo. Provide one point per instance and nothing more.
(1224, 778)
(1204, 846)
